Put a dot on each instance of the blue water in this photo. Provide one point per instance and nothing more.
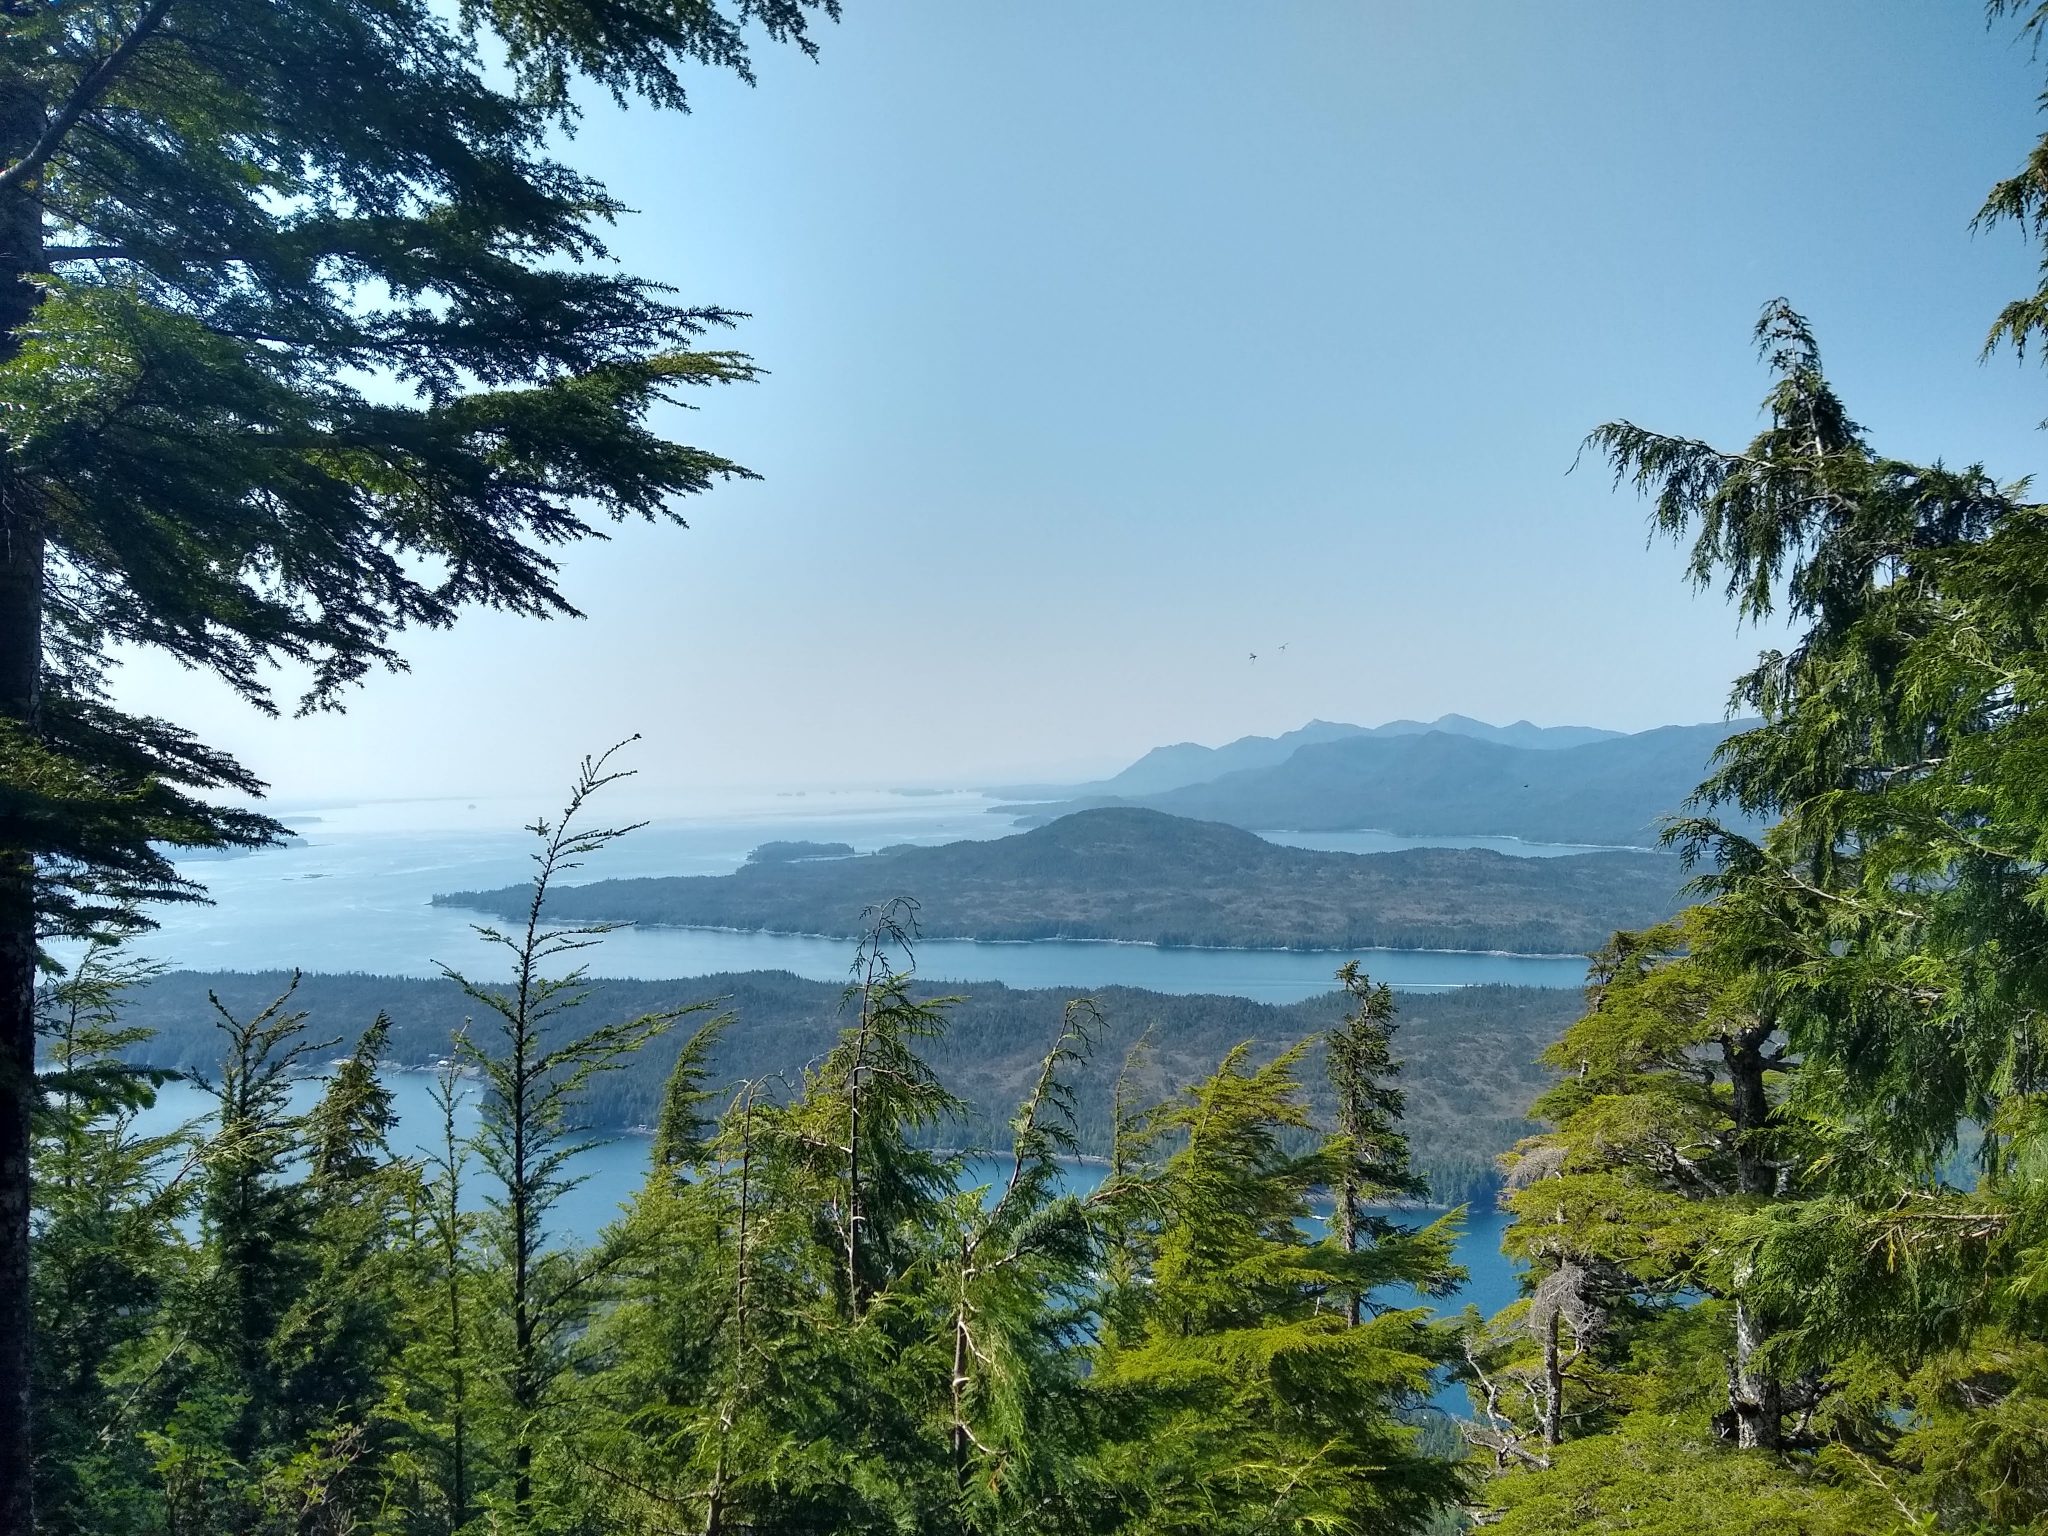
(353, 896)
(611, 1169)
(1395, 842)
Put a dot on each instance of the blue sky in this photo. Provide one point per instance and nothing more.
(1109, 343)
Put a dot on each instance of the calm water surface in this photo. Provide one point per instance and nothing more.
(354, 897)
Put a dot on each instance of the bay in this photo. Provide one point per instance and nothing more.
(611, 1168)
(353, 896)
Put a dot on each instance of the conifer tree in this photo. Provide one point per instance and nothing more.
(748, 1376)
(1890, 923)
(850, 1215)
(107, 1250)
(675, 1347)
(534, 1068)
(338, 1344)
(429, 1396)
(1241, 1400)
(226, 1432)
(1020, 1425)
(1371, 1152)
(1668, 1135)
(216, 223)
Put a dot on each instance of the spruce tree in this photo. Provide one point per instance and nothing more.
(1242, 1399)
(1369, 1149)
(534, 1068)
(108, 1254)
(216, 224)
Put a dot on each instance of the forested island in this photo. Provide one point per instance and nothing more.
(1471, 1054)
(797, 851)
(1142, 876)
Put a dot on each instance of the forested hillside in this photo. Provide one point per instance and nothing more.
(1150, 878)
(1471, 1053)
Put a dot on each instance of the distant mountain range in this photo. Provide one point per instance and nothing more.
(1188, 762)
(1140, 875)
(1453, 777)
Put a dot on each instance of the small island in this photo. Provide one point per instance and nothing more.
(798, 852)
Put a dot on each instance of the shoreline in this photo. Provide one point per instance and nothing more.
(1154, 944)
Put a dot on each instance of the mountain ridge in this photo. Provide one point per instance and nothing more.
(1186, 762)
(1614, 792)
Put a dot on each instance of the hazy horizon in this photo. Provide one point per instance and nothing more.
(1120, 349)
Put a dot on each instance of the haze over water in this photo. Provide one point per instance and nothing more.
(354, 896)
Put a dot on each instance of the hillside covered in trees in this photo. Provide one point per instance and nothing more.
(1472, 1053)
(1146, 877)
(1188, 762)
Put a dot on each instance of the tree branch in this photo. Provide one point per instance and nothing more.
(84, 95)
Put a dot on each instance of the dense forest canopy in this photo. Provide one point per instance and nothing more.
(1471, 1054)
(801, 1323)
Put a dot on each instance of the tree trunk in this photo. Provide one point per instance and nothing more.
(1750, 1108)
(1347, 1209)
(1553, 1382)
(1755, 1396)
(21, 667)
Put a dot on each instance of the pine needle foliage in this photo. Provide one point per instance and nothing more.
(108, 1252)
(1861, 1266)
(1243, 1397)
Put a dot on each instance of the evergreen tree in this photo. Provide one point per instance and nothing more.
(1669, 1135)
(845, 1422)
(759, 1372)
(107, 1250)
(431, 1474)
(533, 1073)
(675, 1348)
(1371, 1152)
(1889, 926)
(1021, 1426)
(1890, 910)
(1241, 1400)
(338, 1344)
(225, 1430)
(216, 223)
